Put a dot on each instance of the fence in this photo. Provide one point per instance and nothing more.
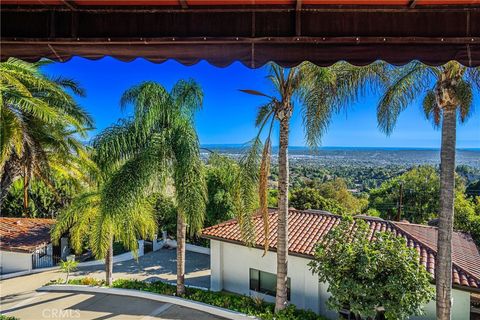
(43, 257)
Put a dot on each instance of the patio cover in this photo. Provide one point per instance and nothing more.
(253, 32)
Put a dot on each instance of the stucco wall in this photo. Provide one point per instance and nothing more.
(460, 307)
(230, 265)
(15, 261)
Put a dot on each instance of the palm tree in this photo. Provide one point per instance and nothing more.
(159, 146)
(447, 93)
(320, 92)
(40, 126)
(85, 220)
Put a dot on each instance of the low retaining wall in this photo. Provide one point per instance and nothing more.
(228, 314)
(189, 247)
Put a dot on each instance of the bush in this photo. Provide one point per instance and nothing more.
(366, 275)
(4, 317)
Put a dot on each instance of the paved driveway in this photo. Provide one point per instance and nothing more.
(89, 306)
(159, 265)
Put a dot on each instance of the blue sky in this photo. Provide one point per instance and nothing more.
(228, 114)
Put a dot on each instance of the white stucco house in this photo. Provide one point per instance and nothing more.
(25, 244)
(241, 269)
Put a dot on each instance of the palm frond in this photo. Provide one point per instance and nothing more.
(188, 97)
(406, 84)
(189, 181)
(464, 95)
(431, 109)
(473, 76)
(264, 112)
(263, 190)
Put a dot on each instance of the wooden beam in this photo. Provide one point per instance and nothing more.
(70, 4)
(237, 40)
(184, 4)
(298, 18)
(220, 9)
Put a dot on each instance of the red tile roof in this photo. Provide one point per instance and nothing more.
(307, 228)
(24, 234)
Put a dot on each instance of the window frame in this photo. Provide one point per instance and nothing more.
(256, 284)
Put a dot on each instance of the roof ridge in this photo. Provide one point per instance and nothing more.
(430, 227)
(394, 223)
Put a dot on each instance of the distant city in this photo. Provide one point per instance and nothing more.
(363, 156)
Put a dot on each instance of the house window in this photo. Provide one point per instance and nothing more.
(265, 282)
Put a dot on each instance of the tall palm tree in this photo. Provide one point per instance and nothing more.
(85, 221)
(40, 125)
(159, 146)
(447, 93)
(319, 92)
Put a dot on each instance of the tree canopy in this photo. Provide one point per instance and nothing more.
(371, 277)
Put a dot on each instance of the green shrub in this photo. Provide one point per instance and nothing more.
(4, 317)
(68, 266)
(251, 306)
(87, 281)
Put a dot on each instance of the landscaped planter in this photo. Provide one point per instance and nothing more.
(225, 313)
(235, 306)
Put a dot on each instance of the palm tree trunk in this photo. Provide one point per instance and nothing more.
(282, 233)
(181, 234)
(11, 172)
(445, 227)
(109, 264)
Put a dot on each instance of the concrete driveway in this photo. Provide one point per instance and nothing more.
(154, 266)
(89, 306)
(158, 265)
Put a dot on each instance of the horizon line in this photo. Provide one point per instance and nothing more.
(242, 145)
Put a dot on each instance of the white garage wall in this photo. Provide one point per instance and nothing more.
(15, 261)
(230, 265)
(460, 307)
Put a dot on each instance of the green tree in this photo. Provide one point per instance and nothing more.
(310, 198)
(166, 213)
(420, 199)
(221, 173)
(447, 93)
(156, 149)
(336, 189)
(419, 188)
(87, 223)
(467, 216)
(367, 276)
(319, 93)
(40, 127)
(45, 200)
(68, 266)
(473, 189)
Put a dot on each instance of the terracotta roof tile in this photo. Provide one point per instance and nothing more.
(24, 234)
(308, 227)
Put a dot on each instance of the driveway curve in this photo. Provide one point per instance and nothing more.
(90, 306)
(20, 293)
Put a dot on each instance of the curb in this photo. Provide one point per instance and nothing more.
(200, 306)
(26, 272)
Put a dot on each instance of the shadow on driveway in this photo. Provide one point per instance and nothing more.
(158, 265)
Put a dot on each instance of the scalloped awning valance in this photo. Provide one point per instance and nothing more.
(252, 32)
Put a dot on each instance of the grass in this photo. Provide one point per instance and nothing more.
(248, 305)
